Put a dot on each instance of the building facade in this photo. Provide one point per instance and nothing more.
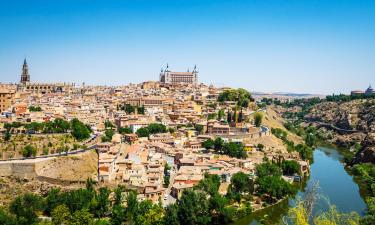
(6, 98)
(368, 92)
(42, 88)
(169, 77)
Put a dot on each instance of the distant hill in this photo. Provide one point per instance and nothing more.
(259, 95)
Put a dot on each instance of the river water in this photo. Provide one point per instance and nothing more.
(336, 187)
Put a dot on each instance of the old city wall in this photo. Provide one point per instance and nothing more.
(22, 168)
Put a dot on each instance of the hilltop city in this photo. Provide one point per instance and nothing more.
(157, 137)
(161, 144)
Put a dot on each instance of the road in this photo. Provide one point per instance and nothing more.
(170, 200)
(90, 142)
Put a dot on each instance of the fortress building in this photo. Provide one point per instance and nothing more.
(169, 77)
(42, 88)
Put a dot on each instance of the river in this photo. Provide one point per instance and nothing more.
(336, 187)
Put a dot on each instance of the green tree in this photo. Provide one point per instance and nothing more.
(199, 128)
(53, 200)
(7, 135)
(102, 222)
(193, 208)
(108, 136)
(26, 208)
(221, 114)
(103, 202)
(118, 215)
(290, 167)
(241, 183)
(61, 215)
(6, 218)
(108, 124)
(258, 117)
(209, 184)
(233, 149)
(241, 96)
(274, 187)
(118, 195)
(218, 144)
(143, 132)
(220, 212)
(155, 128)
(268, 169)
(82, 217)
(149, 214)
(171, 215)
(35, 108)
(79, 130)
(132, 205)
(211, 116)
(90, 184)
(29, 151)
(305, 152)
(125, 130)
(208, 144)
(310, 139)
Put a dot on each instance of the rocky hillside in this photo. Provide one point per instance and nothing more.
(350, 123)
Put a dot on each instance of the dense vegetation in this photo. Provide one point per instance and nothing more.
(35, 109)
(125, 130)
(232, 116)
(365, 175)
(152, 128)
(108, 134)
(220, 147)
(302, 215)
(271, 186)
(305, 151)
(201, 205)
(129, 109)
(79, 130)
(240, 95)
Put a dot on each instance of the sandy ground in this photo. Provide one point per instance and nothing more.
(72, 168)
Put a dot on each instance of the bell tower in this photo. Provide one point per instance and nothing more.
(25, 76)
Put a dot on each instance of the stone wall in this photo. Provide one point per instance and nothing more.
(22, 168)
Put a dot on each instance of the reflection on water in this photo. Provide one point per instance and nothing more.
(336, 187)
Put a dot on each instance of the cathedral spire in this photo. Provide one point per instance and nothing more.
(25, 76)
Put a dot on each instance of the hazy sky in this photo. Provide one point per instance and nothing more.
(311, 46)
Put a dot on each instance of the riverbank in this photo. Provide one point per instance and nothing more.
(336, 184)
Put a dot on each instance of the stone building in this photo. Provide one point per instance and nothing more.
(42, 88)
(369, 92)
(6, 98)
(170, 77)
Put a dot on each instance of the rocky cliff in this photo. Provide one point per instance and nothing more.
(351, 123)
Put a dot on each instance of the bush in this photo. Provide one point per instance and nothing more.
(125, 130)
(258, 117)
(290, 167)
(152, 128)
(29, 151)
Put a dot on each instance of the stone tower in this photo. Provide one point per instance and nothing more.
(25, 76)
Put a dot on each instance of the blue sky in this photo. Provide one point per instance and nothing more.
(311, 46)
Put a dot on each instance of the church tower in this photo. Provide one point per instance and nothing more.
(25, 76)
